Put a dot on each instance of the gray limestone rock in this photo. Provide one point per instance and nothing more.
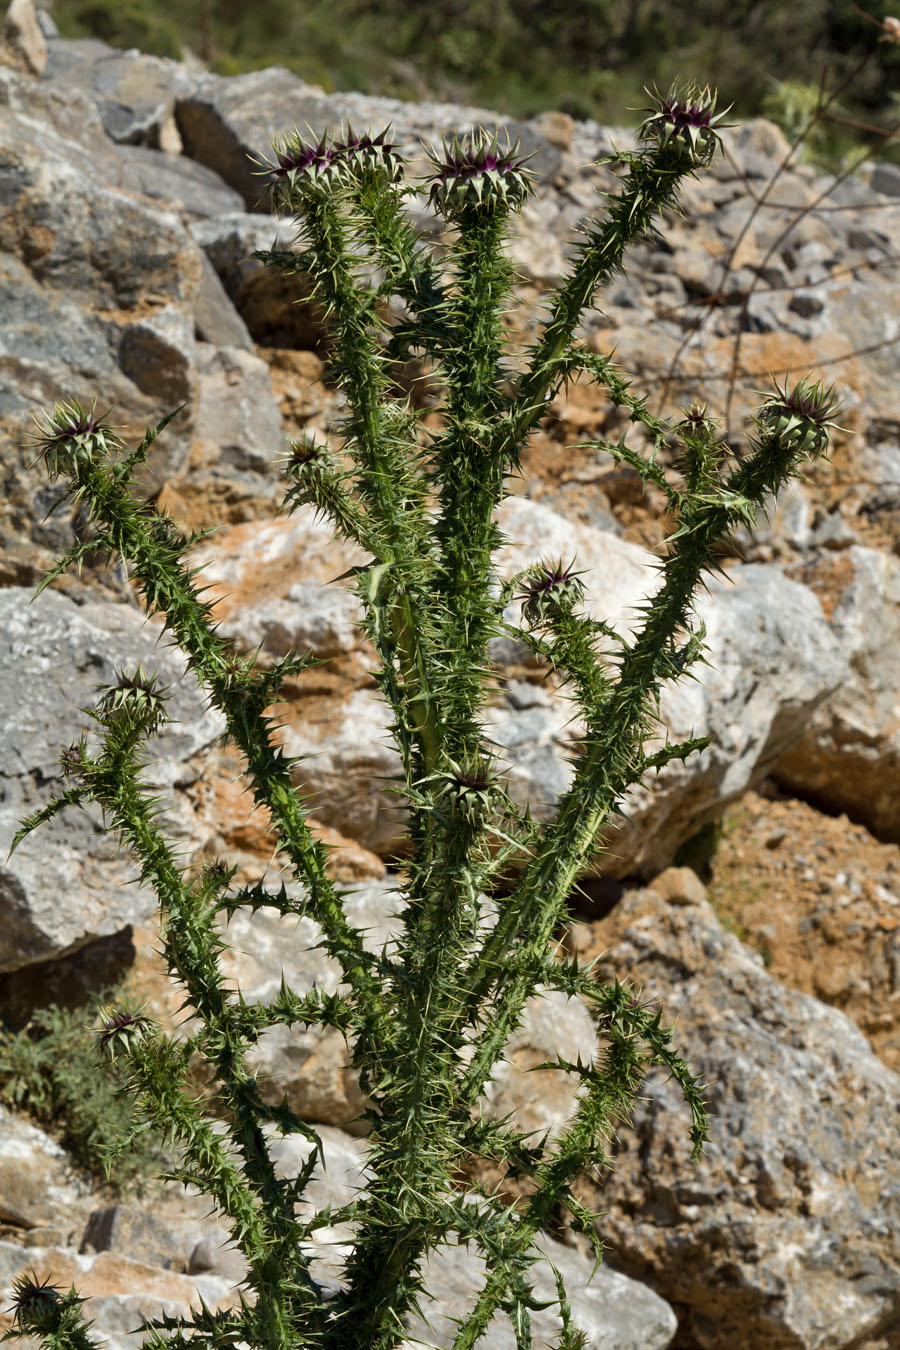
(40, 1194)
(134, 93)
(55, 118)
(102, 291)
(238, 422)
(886, 179)
(319, 619)
(121, 1293)
(226, 123)
(215, 318)
(128, 1264)
(613, 1311)
(772, 661)
(54, 656)
(270, 581)
(784, 1236)
(157, 354)
(134, 1233)
(310, 1065)
(272, 304)
(98, 287)
(173, 179)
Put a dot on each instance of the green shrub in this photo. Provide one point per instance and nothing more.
(124, 23)
(52, 1070)
(428, 1017)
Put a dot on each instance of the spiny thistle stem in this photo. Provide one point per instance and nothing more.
(434, 937)
(651, 184)
(387, 476)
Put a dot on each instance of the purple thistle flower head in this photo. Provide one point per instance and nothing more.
(550, 590)
(302, 166)
(122, 1028)
(685, 122)
(72, 437)
(356, 156)
(477, 171)
(299, 167)
(800, 417)
(298, 157)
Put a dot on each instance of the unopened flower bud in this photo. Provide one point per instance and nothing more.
(135, 698)
(71, 759)
(37, 1307)
(695, 423)
(801, 417)
(549, 590)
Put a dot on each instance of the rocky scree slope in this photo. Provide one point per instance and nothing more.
(129, 212)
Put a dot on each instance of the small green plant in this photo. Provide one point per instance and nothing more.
(799, 110)
(427, 1018)
(51, 1070)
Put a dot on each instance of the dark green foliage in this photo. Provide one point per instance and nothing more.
(124, 23)
(52, 1070)
(428, 1018)
(585, 57)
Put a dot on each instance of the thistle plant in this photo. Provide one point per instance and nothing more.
(427, 1018)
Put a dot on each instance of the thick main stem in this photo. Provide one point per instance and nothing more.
(438, 923)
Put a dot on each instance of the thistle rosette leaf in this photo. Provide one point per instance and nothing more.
(122, 1028)
(550, 589)
(684, 121)
(475, 170)
(72, 437)
(801, 417)
(136, 700)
